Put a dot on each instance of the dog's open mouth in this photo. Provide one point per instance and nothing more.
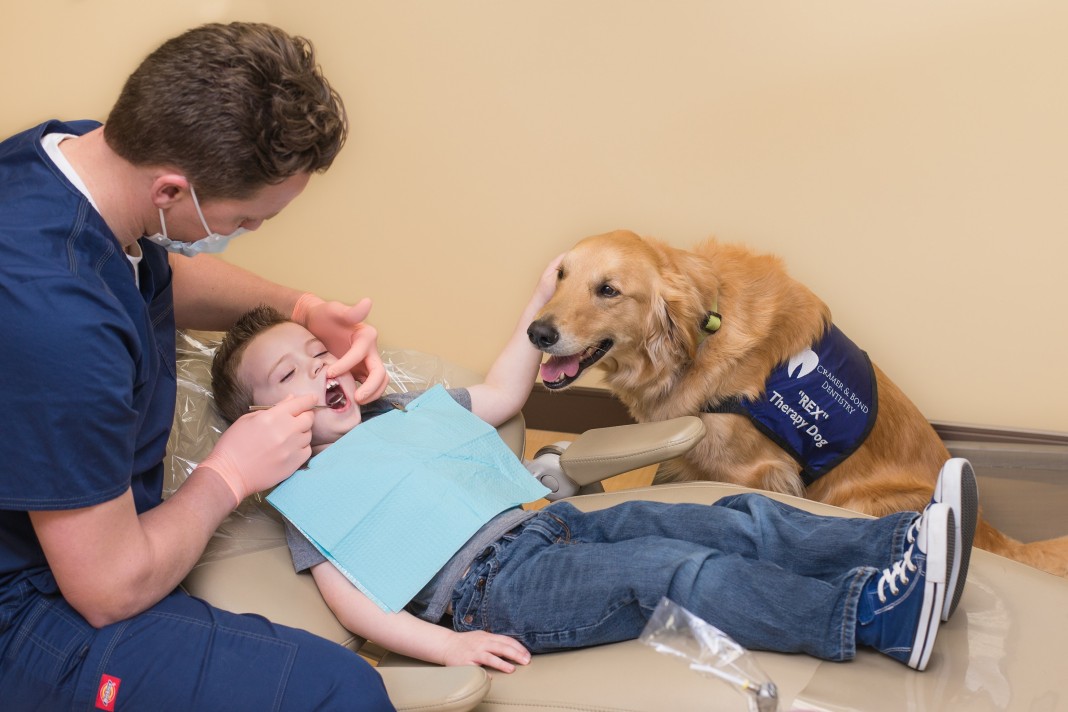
(561, 371)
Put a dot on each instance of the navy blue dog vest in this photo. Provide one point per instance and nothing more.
(819, 406)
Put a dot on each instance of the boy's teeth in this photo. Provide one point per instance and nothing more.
(335, 397)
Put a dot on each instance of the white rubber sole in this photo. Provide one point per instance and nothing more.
(940, 553)
(957, 487)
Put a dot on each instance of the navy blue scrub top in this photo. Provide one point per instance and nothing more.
(87, 357)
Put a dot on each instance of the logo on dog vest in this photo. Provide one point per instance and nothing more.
(108, 691)
(803, 364)
(819, 406)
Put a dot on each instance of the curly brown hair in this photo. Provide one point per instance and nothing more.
(236, 107)
(232, 397)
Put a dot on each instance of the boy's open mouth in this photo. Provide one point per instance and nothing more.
(335, 397)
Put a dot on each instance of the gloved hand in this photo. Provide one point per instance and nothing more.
(263, 448)
(355, 344)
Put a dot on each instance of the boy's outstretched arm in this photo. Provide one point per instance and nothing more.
(405, 634)
(510, 378)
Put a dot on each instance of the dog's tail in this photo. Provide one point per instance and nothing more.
(1049, 554)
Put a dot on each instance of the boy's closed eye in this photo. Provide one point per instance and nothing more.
(290, 372)
(322, 364)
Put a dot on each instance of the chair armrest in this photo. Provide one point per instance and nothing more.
(605, 452)
(435, 689)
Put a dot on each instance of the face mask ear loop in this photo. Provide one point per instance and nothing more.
(162, 223)
(196, 204)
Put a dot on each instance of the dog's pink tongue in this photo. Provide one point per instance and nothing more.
(556, 366)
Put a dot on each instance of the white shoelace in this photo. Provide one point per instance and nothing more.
(913, 531)
(900, 570)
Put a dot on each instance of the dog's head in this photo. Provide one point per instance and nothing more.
(625, 303)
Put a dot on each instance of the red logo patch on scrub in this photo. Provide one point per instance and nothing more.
(109, 690)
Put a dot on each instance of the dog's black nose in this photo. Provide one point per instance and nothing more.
(543, 334)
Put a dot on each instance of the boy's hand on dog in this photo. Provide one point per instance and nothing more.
(478, 647)
(547, 283)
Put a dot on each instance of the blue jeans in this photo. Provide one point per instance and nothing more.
(771, 576)
(181, 654)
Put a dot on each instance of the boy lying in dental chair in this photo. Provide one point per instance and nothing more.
(771, 576)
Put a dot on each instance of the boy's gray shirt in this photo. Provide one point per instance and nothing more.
(431, 603)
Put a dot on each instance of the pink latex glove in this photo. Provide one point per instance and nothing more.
(263, 448)
(342, 331)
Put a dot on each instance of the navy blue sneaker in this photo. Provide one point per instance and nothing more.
(956, 487)
(899, 609)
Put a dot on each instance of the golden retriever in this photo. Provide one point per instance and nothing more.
(681, 332)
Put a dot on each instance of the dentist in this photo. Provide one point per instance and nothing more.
(102, 230)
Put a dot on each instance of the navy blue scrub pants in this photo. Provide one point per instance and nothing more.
(181, 654)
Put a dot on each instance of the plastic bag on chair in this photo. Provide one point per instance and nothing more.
(673, 630)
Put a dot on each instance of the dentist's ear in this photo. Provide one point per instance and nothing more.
(168, 188)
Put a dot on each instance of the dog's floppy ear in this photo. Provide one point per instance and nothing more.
(675, 316)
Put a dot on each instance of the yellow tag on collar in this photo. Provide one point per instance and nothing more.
(713, 321)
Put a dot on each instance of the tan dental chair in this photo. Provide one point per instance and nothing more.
(1004, 648)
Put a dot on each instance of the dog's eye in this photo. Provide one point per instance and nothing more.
(607, 290)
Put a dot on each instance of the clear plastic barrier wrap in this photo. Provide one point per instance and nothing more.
(255, 525)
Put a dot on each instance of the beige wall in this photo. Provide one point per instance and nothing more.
(908, 159)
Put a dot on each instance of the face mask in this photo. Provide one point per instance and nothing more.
(213, 243)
